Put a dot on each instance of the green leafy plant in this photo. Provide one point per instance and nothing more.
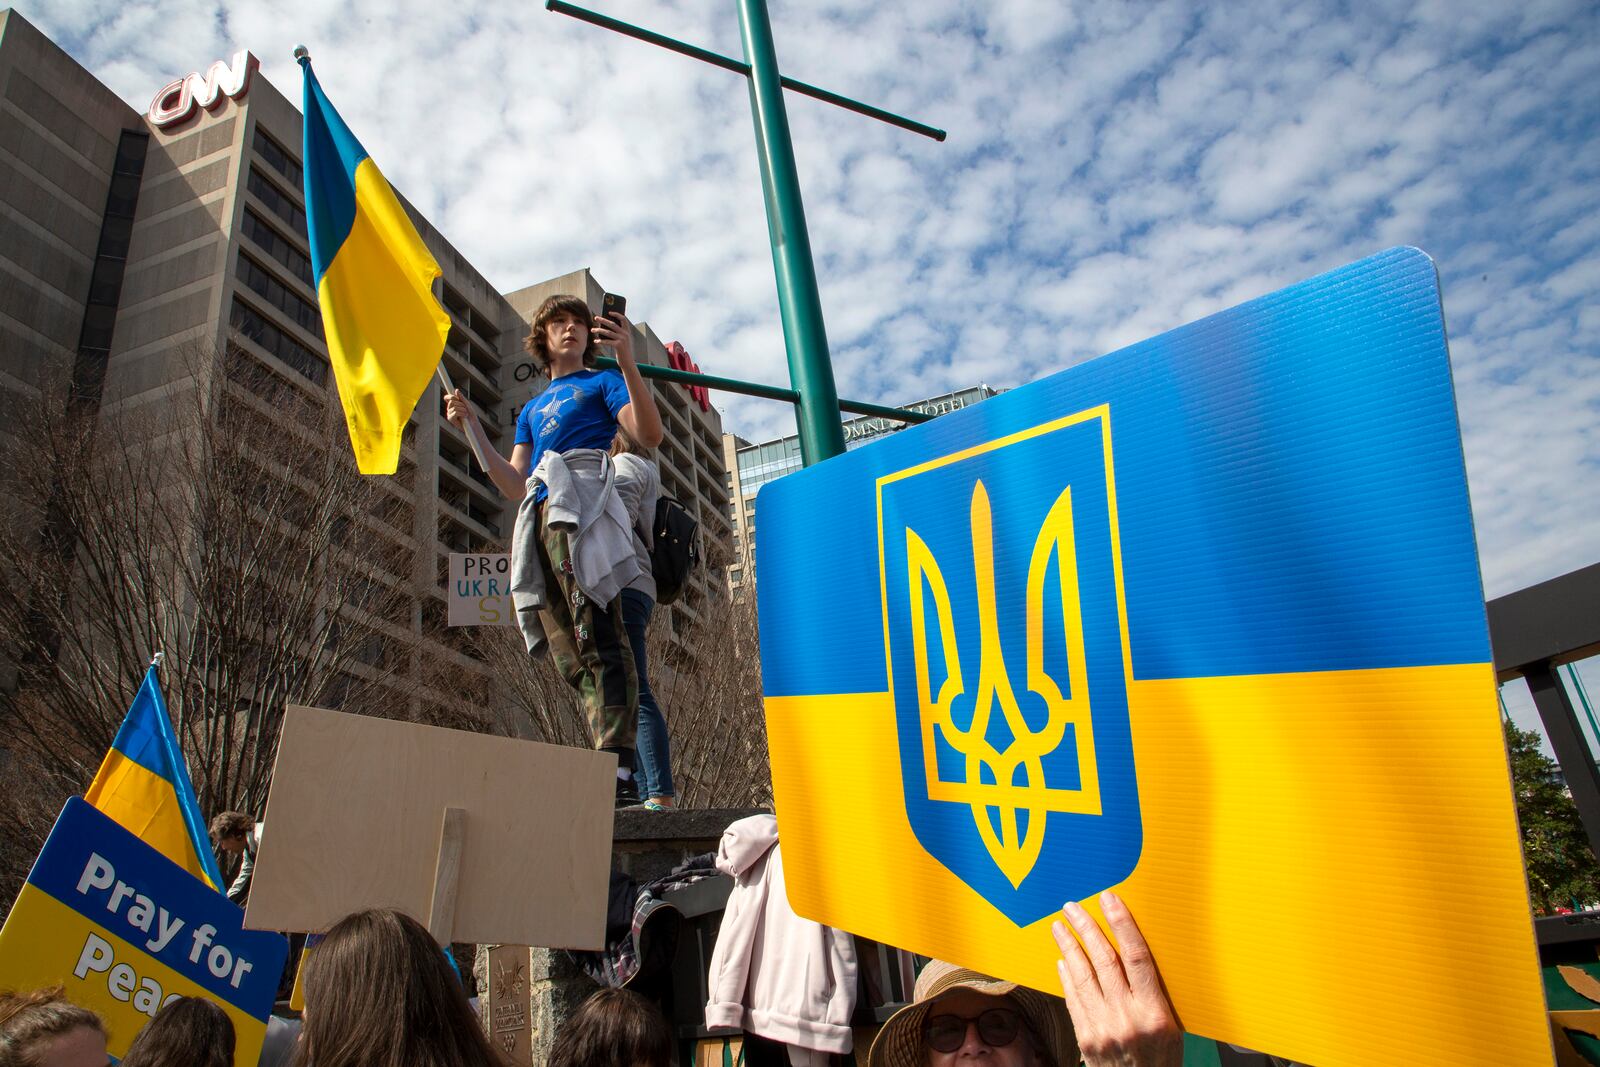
(1562, 872)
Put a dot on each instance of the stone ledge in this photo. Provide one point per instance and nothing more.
(648, 844)
(694, 824)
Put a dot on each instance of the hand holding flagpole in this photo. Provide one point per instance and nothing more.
(472, 428)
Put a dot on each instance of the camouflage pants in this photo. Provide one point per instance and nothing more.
(589, 646)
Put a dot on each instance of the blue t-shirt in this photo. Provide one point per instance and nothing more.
(577, 410)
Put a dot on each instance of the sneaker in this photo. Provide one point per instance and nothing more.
(627, 793)
(660, 804)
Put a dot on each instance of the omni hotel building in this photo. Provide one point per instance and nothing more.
(750, 466)
(125, 237)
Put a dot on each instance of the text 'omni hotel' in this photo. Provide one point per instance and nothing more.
(126, 237)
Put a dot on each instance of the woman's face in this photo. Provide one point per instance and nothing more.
(967, 1005)
(83, 1047)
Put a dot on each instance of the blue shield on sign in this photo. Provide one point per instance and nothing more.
(1006, 637)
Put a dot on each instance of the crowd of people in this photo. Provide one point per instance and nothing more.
(380, 993)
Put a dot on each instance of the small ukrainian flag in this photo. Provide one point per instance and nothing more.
(143, 784)
(384, 327)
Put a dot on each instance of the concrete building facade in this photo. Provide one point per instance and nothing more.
(129, 242)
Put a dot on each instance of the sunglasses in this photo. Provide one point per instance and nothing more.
(997, 1027)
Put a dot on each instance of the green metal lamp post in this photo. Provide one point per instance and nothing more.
(805, 338)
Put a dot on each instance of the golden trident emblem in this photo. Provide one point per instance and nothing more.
(1013, 852)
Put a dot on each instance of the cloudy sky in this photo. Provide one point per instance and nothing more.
(1112, 171)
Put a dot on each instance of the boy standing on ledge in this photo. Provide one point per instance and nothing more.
(580, 412)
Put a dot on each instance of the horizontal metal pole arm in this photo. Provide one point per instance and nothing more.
(627, 29)
(857, 407)
(871, 112)
(768, 392)
(710, 381)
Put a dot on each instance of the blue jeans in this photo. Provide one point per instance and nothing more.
(654, 769)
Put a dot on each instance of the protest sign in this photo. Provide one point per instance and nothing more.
(480, 590)
(360, 817)
(1200, 621)
(124, 930)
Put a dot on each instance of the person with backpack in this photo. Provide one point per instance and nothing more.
(638, 483)
(561, 441)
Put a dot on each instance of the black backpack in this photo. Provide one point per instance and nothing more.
(676, 549)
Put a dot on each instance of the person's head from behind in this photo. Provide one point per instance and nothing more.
(379, 993)
(561, 325)
(230, 829)
(191, 1031)
(624, 443)
(45, 1029)
(614, 1028)
(959, 1016)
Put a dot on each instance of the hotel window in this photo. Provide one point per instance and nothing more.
(277, 246)
(256, 326)
(279, 157)
(278, 201)
(274, 292)
(115, 234)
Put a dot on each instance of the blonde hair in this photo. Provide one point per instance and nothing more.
(624, 442)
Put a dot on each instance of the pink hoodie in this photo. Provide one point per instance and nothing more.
(772, 972)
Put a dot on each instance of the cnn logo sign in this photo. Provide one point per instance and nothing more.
(178, 100)
(678, 359)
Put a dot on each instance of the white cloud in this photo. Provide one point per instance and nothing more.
(1112, 170)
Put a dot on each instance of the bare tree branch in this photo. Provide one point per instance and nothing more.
(223, 523)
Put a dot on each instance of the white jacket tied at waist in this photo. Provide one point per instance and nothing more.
(580, 497)
(772, 972)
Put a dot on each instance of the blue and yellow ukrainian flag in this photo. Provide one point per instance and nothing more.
(384, 327)
(1200, 621)
(144, 785)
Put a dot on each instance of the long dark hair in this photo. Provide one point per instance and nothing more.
(191, 1030)
(380, 994)
(614, 1028)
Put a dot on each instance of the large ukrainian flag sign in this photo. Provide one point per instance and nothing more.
(1201, 621)
(143, 784)
(374, 276)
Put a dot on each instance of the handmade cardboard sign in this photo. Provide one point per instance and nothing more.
(1200, 621)
(480, 590)
(483, 839)
(124, 929)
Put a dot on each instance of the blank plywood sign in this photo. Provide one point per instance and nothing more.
(355, 814)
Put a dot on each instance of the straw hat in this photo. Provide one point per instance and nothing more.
(899, 1043)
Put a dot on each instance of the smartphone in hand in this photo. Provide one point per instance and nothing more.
(613, 306)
